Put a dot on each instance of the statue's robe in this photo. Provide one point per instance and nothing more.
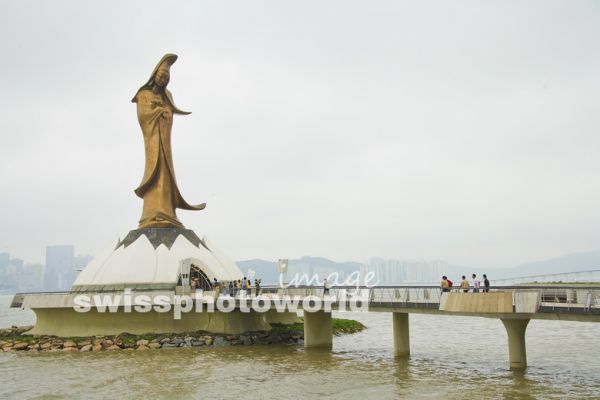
(159, 186)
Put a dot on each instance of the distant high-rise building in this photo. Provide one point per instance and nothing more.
(60, 272)
(18, 263)
(32, 277)
(4, 260)
(398, 271)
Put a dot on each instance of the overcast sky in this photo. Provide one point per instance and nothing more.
(467, 131)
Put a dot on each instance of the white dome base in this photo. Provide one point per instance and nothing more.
(154, 258)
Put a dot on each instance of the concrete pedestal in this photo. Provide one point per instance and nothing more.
(401, 335)
(67, 322)
(317, 329)
(517, 352)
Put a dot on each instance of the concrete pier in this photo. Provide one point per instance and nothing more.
(401, 335)
(517, 352)
(317, 329)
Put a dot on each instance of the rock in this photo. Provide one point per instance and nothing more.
(69, 343)
(142, 347)
(113, 348)
(87, 347)
(20, 346)
(142, 342)
(154, 345)
(46, 346)
(247, 341)
(164, 340)
(106, 343)
(197, 343)
(220, 342)
(168, 345)
(98, 341)
(177, 341)
(23, 329)
(84, 343)
(208, 340)
(231, 337)
(97, 347)
(69, 349)
(154, 341)
(34, 346)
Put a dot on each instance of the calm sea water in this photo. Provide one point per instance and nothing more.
(452, 358)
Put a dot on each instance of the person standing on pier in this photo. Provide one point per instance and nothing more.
(476, 283)
(486, 283)
(325, 287)
(445, 285)
(464, 283)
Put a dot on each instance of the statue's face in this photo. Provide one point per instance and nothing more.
(162, 78)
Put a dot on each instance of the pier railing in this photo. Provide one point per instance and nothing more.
(541, 298)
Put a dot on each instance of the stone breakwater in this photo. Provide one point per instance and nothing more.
(12, 339)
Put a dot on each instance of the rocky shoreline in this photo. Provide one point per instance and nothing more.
(12, 339)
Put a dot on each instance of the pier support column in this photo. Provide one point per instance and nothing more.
(317, 329)
(401, 335)
(517, 353)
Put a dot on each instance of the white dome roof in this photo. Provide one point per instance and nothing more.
(141, 265)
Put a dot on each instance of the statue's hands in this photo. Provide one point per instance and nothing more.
(156, 104)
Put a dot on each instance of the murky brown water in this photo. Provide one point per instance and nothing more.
(452, 358)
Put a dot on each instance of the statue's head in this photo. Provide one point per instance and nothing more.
(161, 79)
(161, 73)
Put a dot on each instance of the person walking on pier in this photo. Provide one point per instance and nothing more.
(464, 283)
(325, 287)
(476, 283)
(486, 284)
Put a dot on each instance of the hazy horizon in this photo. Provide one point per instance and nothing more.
(466, 132)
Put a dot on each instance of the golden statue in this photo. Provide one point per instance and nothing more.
(155, 109)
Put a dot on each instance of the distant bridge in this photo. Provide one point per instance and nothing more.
(592, 275)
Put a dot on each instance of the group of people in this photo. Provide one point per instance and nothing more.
(446, 284)
(232, 288)
(244, 284)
